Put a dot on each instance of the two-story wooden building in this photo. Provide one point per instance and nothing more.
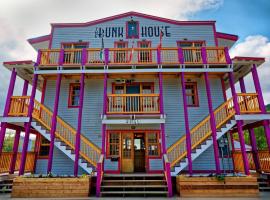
(134, 95)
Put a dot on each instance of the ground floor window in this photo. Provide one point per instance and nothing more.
(74, 95)
(44, 148)
(192, 94)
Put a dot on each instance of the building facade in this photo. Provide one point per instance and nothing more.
(134, 93)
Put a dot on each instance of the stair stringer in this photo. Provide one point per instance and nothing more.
(59, 144)
(209, 142)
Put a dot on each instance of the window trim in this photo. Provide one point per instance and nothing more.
(74, 43)
(150, 51)
(195, 94)
(40, 145)
(158, 144)
(71, 85)
(203, 42)
(138, 30)
(141, 84)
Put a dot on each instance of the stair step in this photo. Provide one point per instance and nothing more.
(134, 192)
(133, 175)
(124, 181)
(134, 186)
(264, 188)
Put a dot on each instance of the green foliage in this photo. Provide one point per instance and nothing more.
(8, 143)
(220, 177)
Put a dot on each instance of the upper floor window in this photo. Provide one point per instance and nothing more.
(74, 95)
(191, 51)
(72, 56)
(187, 43)
(132, 29)
(144, 55)
(192, 94)
(121, 56)
(75, 45)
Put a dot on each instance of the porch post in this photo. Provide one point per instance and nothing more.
(104, 113)
(14, 151)
(78, 132)
(261, 102)
(25, 88)
(7, 106)
(239, 124)
(252, 137)
(188, 136)
(43, 91)
(223, 89)
(28, 124)
(54, 122)
(212, 122)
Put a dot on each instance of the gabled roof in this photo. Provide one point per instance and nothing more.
(39, 39)
(131, 13)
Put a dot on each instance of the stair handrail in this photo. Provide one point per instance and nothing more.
(167, 173)
(89, 151)
(100, 173)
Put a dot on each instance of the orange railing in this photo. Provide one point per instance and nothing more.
(133, 103)
(66, 133)
(264, 160)
(5, 160)
(202, 131)
(134, 56)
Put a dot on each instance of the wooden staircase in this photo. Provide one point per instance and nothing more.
(134, 185)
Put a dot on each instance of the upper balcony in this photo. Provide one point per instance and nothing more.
(134, 58)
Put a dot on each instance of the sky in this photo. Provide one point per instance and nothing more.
(24, 19)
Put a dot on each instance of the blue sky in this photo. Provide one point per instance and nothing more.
(24, 19)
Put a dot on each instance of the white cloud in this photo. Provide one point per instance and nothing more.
(256, 46)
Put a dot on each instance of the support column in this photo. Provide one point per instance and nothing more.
(14, 151)
(261, 103)
(161, 102)
(251, 132)
(78, 133)
(25, 88)
(212, 122)
(188, 136)
(104, 113)
(54, 122)
(7, 107)
(28, 124)
(239, 124)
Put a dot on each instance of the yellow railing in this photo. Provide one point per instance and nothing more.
(263, 156)
(66, 133)
(6, 157)
(202, 131)
(133, 103)
(134, 56)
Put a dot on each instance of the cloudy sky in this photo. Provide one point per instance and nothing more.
(23, 19)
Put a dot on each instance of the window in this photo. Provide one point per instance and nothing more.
(44, 148)
(192, 94)
(153, 144)
(132, 29)
(121, 56)
(74, 95)
(114, 141)
(71, 56)
(144, 56)
(191, 50)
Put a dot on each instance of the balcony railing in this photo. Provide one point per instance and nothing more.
(133, 104)
(135, 56)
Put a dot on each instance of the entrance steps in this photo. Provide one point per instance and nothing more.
(264, 182)
(134, 185)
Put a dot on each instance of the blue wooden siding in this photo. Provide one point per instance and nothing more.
(178, 32)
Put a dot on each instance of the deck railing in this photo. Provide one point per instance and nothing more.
(135, 56)
(5, 160)
(133, 103)
(66, 133)
(202, 131)
(263, 156)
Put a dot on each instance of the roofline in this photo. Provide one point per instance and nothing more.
(39, 39)
(131, 13)
(249, 58)
(18, 62)
(227, 36)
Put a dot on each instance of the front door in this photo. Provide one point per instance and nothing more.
(139, 152)
(127, 164)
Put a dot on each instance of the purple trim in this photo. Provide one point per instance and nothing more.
(227, 56)
(99, 175)
(106, 52)
(249, 58)
(61, 57)
(227, 36)
(78, 132)
(206, 171)
(54, 121)
(15, 151)
(204, 55)
(254, 149)
(43, 91)
(25, 88)
(261, 102)
(51, 37)
(212, 122)
(84, 56)
(7, 107)
(21, 62)
(188, 136)
(158, 56)
(215, 34)
(128, 14)
(104, 112)
(181, 56)
(39, 39)
(239, 124)
(169, 179)
(161, 104)
(28, 124)
(38, 58)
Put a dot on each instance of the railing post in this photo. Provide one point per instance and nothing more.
(261, 102)
(159, 56)
(14, 151)
(25, 88)
(188, 135)
(28, 124)
(164, 149)
(181, 59)
(54, 122)
(204, 56)
(106, 52)
(7, 107)
(212, 122)
(61, 57)
(239, 124)
(78, 132)
(84, 57)
(105, 104)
